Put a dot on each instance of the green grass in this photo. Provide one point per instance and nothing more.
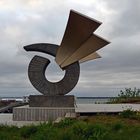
(99, 127)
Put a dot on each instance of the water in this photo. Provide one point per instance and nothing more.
(92, 100)
(79, 100)
(11, 98)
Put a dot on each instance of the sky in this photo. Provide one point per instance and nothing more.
(23, 22)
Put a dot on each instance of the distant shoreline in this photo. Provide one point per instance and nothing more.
(95, 97)
(75, 96)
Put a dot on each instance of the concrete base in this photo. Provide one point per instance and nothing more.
(26, 113)
(51, 101)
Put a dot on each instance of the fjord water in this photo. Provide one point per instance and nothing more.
(79, 100)
(92, 100)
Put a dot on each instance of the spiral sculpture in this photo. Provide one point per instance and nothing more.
(38, 65)
(79, 44)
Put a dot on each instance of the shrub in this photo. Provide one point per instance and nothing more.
(27, 131)
(131, 114)
(129, 93)
(89, 131)
(65, 123)
(117, 126)
(127, 96)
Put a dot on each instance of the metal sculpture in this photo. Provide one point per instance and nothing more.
(79, 44)
(38, 65)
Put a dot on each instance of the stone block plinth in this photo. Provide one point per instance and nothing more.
(26, 113)
(51, 101)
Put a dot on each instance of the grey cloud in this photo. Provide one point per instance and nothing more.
(119, 67)
(125, 20)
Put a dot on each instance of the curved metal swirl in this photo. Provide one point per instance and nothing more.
(38, 65)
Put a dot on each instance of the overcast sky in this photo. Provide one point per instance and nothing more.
(23, 22)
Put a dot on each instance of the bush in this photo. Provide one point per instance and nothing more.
(65, 123)
(117, 126)
(89, 131)
(131, 114)
(127, 96)
(129, 93)
(27, 131)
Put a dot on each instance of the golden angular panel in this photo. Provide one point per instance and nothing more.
(79, 29)
(92, 56)
(92, 44)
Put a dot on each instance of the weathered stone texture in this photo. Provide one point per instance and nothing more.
(51, 101)
(26, 113)
(38, 65)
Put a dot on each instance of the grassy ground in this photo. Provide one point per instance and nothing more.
(99, 127)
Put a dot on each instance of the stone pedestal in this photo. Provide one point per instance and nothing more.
(51, 101)
(26, 113)
(44, 108)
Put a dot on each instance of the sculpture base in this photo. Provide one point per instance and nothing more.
(51, 101)
(26, 113)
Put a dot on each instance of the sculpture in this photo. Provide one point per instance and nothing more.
(79, 44)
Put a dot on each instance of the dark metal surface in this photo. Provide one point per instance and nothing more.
(38, 65)
(43, 47)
